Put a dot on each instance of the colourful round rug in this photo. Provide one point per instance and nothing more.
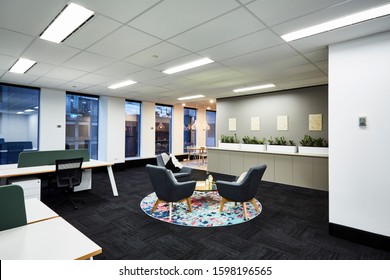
(205, 211)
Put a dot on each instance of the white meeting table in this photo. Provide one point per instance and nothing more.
(12, 170)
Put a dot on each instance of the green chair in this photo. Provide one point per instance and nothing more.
(12, 208)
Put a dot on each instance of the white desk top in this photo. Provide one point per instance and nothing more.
(53, 239)
(12, 170)
(37, 211)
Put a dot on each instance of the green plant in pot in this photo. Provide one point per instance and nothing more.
(229, 139)
(281, 141)
(253, 140)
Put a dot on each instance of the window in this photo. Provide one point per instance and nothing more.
(163, 128)
(132, 127)
(82, 114)
(189, 132)
(19, 114)
(210, 133)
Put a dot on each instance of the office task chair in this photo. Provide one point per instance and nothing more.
(12, 208)
(68, 176)
(241, 191)
(168, 189)
(182, 176)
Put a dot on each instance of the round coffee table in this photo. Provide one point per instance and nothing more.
(201, 187)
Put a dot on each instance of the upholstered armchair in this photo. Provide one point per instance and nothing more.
(183, 175)
(168, 189)
(243, 191)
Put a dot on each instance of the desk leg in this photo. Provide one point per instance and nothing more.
(112, 180)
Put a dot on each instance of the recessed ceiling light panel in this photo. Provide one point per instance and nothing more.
(122, 84)
(68, 20)
(254, 88)
(22, 66)
(189, 65)
(338, 23)
(191, 97)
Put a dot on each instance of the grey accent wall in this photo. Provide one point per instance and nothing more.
(297, 104)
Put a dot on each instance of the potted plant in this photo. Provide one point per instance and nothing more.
(253, 144)
(313, 145)
(281, 145)
(229, 142)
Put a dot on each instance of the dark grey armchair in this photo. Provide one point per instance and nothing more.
(183, 175)
(168, 189)
(243, 191)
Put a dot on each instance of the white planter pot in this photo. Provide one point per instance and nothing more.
(282, 149)
(313, 150)
(230, 146)
(253, 147)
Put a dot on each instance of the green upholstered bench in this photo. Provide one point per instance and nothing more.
(39, 158)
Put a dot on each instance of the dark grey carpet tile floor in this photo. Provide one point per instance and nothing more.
(292, 225)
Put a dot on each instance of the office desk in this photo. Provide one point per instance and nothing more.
(11, 170)
(53, 239)
(37, 211)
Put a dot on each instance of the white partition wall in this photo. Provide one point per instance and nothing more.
(359, 181)
(148, 129)
(178, 128)
(52, 124)
(111, 129)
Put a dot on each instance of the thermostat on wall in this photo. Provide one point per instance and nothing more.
(362, 121)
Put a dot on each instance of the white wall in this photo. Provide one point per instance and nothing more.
(111, 129)
(148, 130)
(178, 129)
(52, 123)
(359, 85)
(201, 129)
(111, 126)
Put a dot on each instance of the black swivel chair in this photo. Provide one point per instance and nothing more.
(68, 176)
(243, 191)
(168, 189)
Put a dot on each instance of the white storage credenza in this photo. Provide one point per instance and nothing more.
(310, 171)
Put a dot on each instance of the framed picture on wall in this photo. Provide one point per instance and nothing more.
(315, 122)
(255, 124)
(282, 122)
(232, 124)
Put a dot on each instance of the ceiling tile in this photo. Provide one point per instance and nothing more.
(95, 29)
(281, 10)
(74, 86)
(256, 59)
(48, 82)
(172, 17)
(41, 69)
(93, 79)
(157, 54)
(219, 30)
(317, 55)
(87, 61)
(121, 10)
(52, 53)
(6, 62)
(119, 69)
(253, 42)
(22, 79)
(13, 43)
(146, 74)
(63, 73)
(29, 17)
(123, 42)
